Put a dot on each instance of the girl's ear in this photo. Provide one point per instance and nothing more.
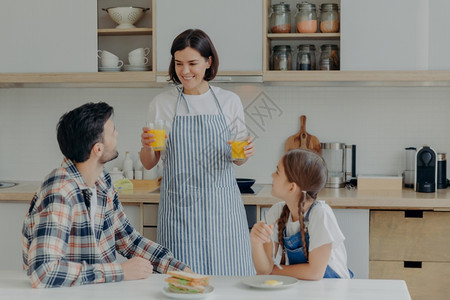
(293, 187)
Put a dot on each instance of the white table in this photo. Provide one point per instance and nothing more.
(16, 285)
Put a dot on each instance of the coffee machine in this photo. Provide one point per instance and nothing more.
(425, 170)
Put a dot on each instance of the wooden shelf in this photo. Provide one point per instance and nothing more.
(400, 78)
(300, 78)
(119, 32)
(304, 36)
(84, 79)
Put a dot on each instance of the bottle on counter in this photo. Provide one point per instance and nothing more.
(138, 173)
(280, 18)
(128, 166)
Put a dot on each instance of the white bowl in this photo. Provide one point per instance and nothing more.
(125, 16)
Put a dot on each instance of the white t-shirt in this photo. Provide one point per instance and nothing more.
(164, 105)
(93, 208)
(322, 228)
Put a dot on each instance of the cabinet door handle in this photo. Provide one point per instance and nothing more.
(413, 213)
(412, 264)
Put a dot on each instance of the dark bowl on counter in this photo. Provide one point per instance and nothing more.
(245, 183)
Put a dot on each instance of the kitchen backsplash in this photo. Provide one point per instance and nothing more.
(381, 121)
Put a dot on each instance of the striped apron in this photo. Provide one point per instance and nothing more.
(202, 218)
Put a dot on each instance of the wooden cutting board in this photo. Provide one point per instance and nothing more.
(303, 139)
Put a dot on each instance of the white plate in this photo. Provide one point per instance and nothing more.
(208, 291)
(136, 68)
(113, 69)
(258, 281)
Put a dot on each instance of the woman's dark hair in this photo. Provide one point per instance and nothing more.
(200, 41)
(80, 129)
(308, 170)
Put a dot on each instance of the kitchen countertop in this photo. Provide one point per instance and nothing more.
(16, 285)
(336, 198)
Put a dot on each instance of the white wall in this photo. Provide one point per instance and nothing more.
(381, 121)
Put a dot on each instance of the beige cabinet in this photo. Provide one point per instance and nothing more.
(412, 246)
(150, 221)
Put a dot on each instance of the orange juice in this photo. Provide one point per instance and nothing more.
(237, 149)
(160, 139)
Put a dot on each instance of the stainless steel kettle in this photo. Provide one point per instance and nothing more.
(335, 156)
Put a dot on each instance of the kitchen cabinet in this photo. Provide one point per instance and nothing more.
(122, 41)
(412, 246)
(150, 219)
(384, 35)
(439, 39)
(48, 36)
(354, 224)
(293, 40)
(234, 27)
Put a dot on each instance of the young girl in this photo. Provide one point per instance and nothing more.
(278, 244)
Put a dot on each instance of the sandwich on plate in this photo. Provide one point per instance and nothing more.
(187, 283)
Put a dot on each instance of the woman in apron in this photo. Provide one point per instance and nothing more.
(201, 216)
(300, 237)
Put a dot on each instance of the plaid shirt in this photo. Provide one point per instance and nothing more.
(59, 247)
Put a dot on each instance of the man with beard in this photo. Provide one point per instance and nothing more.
(76, 222)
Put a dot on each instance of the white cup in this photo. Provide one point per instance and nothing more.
(140, 52)
(138, 61)
(111, 63)
(103, 54)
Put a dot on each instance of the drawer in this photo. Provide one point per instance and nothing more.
(425, 282)
(150, 216)
(410, 235)
(151, 233)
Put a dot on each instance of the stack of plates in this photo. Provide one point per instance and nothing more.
(106, 69)
(136, 68)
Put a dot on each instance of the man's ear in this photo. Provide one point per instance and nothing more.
(97, 149)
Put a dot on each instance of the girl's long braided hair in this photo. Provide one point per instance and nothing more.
(308, 170)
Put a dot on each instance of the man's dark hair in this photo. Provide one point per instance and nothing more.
(200, 41)
(80, 129)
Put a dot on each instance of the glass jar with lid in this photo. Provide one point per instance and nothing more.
(329, 57)
(280, 18)
(306, 57)
(329, 18)
(282, 58)
(306, 18)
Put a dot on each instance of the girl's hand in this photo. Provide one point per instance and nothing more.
(249, 150)
(261, 233)
(147, 138)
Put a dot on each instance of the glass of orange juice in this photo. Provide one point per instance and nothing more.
(237, 146)
(160, 135)
(237, 149)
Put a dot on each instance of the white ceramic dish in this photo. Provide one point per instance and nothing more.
(209, 290)
(106, 69)
(125, 16)
(259, 281)
(136, 68)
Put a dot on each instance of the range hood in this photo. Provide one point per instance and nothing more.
(223, 77)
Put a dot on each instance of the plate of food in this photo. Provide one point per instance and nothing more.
(184, 285)
(270, 281)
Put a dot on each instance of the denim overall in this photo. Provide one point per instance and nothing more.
(294, 249)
